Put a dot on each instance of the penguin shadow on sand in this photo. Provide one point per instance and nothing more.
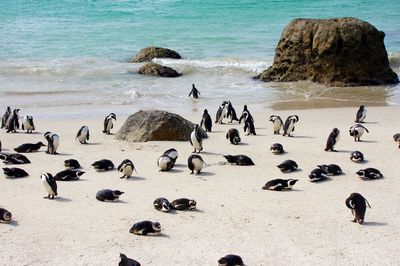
(367, 141)
(11, 223)
(203, 174)
(208, 153)
(302, 137)
(62, 154)
(374, 224)
(135, 178)
(92, 143)
(62, 199)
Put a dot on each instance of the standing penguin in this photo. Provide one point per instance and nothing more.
(53, 141)
(195, 163)
(289, 125)
(194, 92)
(333, 139)
(126, 167)
(357, 131)
(206, 121)
(358, 205)
(50, 185)
(249, 124)
(125, 261)
(396, 138)
(195, 140)
(222, 112)
(83, 135)
(27, 124)
(245, 114)
(233, 136)
(5, 117)
(277, 123)
(108, 123)
(231, 112)
(13, 122)
(361, 114)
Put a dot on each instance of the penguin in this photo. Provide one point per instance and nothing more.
(249, 124)
(357, 156)
(195, 140)
(69, 175)
(13, 122)
(184, 204)
(206, 121)
(125, 261)
(5, 216)
(277, 148)
(172, 153)
(162, 204)
(239, 159)
(230, 260)
(126, 167)
(331, 169)
(317, 175)
(0, 145)
(194, 92)
(165, 163)
(280, 184)
(14, 158)
(5, 117)
(53, 141)
(245, 114)
(231, 112)
(195, 163)
(361, 114)
(72, 164)
(103, 165)
(29, 147)
(358, 205)
(369, 173)
(50, 185)
(222, 112)
(83, 135)
(396, 138)
(14, 172)
(146, 228)
(27, 124)
(108, 195)
(277, 123)
(357, 131)
(287, 166)
(289, 125)
(333, 139)
(108, 123)
(233, 136)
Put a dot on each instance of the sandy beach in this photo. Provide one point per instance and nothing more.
(309, 225)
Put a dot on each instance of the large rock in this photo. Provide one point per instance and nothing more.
(149, 53)
(334, 52)
(154, 69)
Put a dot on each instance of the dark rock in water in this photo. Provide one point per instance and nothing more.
(155, 125)
(149, 53)
(335, 52)
(154, 69)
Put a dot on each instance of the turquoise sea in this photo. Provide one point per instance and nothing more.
(69, 58)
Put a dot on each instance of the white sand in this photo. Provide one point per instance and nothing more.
(309, 225)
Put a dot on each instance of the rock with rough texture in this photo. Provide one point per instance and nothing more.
(334, 52)
(154, 69)
(149, 53)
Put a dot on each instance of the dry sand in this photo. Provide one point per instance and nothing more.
(309, 225)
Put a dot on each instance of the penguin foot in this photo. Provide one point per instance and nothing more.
(122, 176)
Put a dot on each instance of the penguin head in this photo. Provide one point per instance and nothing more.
(7, 216)
(6, 170)
(336, 131)
(112, 116)
(156, 226)
(236, 140)
(123, 256)
(192, 204)
(47, 135)
(41, 144)
(165, 207)
(205, 111)
(361, 173)
(117, 193)
(229, 158)
(291, 182)
(79, 173)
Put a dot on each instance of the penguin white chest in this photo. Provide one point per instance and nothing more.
(196, 144)
(47, 186)
(163, 163)
(56, 142)
(83, 136)
(109, 125)
(277, 125)
(128, 169)
(337, 138)
(290, 127)
(198, 164)
(363, 115)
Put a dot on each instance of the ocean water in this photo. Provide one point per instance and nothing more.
(69, 57)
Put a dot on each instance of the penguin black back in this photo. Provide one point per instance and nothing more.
(239, 159)
(125, 261)
(358, 205)
(206, 121)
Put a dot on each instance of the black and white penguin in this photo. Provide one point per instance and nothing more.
(369, 173)
(5, 117)
(357, 131)
(165, 163)
(276, 122)
(317, 175)
(53, 141)
(245, 114)
(194, 92)
(396, 138)
(233, 136)
(280, 184)
(69, 175)
(108, 123)
(146, 228)
(361, 114)
(277, 148)
(125, 261)
(239, 159)
(14, 172)
(29, 147)
(249, 124)
(289, 125)
(14, 158)
(5, 216)
(195, 163)
(333, 139)
(72, 164)
(162, 204)
(27, 124)
(184, 204)
(103, 165)
(126, 167)
(358, 205)
(108, 195)
(83, 134)
(331, 169)
(287, 166)
(357, 156)
(222, 112)
(172, 153)
(230, 260)
(206, 121)
(13, 121)
(231, 112)
(50, 185)
(196, 140)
